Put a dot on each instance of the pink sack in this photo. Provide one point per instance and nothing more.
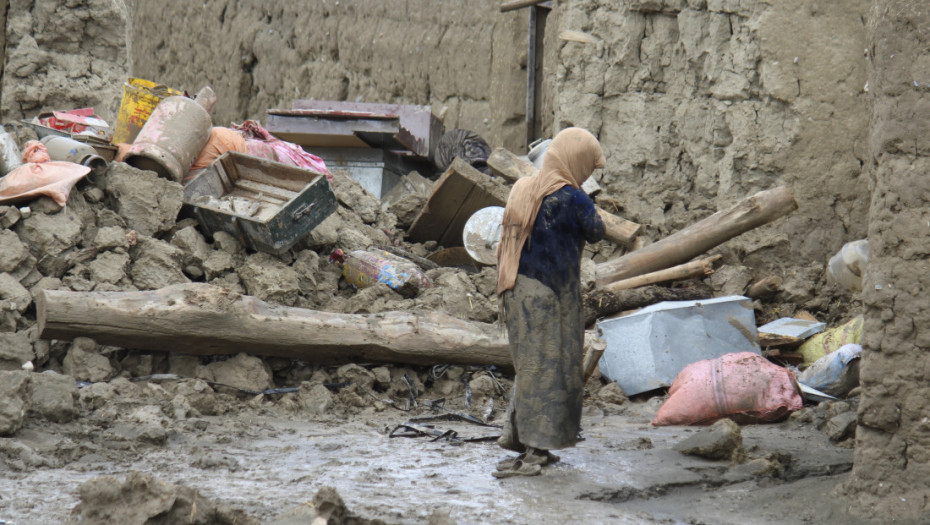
(261, 143)
(743, 386)
(31, 180)
(35, 151)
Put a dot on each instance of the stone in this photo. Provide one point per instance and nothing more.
(612, 393)
(356, 375)
(93, 194)
(157, 265)
(14, 393)
(227, 243)
(149, 203)
(15, 350)
(84, 363)
(218, 263)
(314, 398)
(49, 235)
(192, 245)
(242, 371)
(14, 299)
(269, 279)
(9, 215)
(111, 238)
(842, 426)
(722, 440)
(12, 251)
(53, 397)
(109, 267)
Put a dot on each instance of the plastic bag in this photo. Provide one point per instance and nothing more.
(743, 386)
(54, 179)
(261, 143)
(846, 267)
(362, 268)
(221, 140)
(831, 340)
(835, 373)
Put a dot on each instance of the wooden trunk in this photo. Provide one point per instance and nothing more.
(201, 319)
(761, 208)
(602, 303)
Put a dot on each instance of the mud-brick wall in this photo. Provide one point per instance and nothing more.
(61, 55)
(701, 103)
(458, 56)
(891, 472)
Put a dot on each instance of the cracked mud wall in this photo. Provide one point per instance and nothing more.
(457, 56)
(63, 55)
(701, 103)
(891, 473)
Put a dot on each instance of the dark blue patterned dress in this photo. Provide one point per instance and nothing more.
(544, 323)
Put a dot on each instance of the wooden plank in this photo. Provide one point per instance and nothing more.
(461, 191)
(518, 4)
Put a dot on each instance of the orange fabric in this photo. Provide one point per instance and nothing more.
(31, 180)
(35, 151)
(221, 140)
(122, 148)
(571, 158)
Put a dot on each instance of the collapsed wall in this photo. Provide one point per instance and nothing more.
(701, 103)
(63, 55)
(891, 473)
(459, 57)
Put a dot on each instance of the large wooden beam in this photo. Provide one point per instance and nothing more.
(202, 319)
(761, 208)
(512, 168)
(602, 303)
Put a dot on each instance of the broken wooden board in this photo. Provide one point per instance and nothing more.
(512, 168)
(460, 192)
(201, 319)
(766, 339)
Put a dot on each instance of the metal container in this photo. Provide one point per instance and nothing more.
(171, 138)
(482, 234)
(70, 150)
(267, 205)
(376, 170)
(647, 349)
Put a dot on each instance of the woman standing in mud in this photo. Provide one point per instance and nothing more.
(547, 220)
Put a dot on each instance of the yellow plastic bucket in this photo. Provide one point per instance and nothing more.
(140, 97)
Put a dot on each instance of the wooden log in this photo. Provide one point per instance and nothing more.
(517, 4)
(761, 208)
(512, 168)
(594, 349)
(601, 303)
(698, 268)
(201, 319)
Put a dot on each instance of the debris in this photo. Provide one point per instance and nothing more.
(261, 143)
(722, 440)
(482, 234)
(268, 206)
(831, 340)
(409, 128)
(847, 266)
(761, 208)
(601, 303)
(513, 168)
(31, 180)
(140, 98)
(842, 426)
(10, 157)
(377, 170)
(172, 137)
(791, 327)
(14, 388)
(201, 319)
(70, 150)
(742, 386)
(593, 350)
(466, 145)
(693, 269)
(76, 122)
(647, 349)
(764, 287)
(835, 373)
(363, 268)
(459, 193)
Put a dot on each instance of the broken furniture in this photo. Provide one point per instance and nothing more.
(457, 195)
(513, 168)
(267, 205)
(201, 319)
(647, 349)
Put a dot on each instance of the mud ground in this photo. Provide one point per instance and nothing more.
(263, 456)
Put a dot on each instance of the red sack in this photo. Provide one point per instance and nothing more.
(742, 386)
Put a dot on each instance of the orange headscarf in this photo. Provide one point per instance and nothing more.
(571, 157)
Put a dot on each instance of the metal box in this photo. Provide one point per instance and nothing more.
(377, 170)
(647, 349)
(267, 205)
